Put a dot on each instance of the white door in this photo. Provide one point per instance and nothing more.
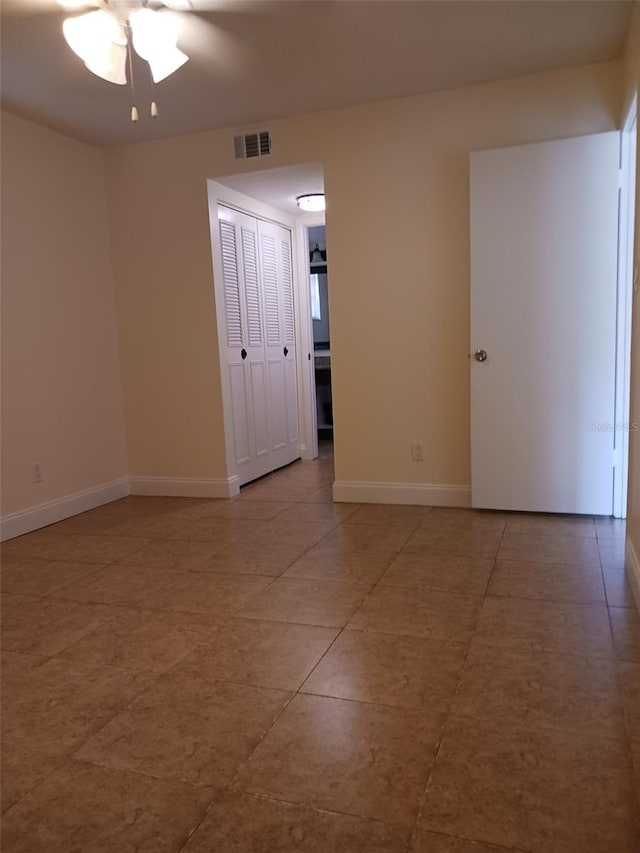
(246, 363)
(277, 278)
(255, 282)
(544, 230)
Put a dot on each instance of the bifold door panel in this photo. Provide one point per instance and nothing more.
(260, 342)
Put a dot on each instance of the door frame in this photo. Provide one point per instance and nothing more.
(626, 231)
(306, 376)
(221, 194)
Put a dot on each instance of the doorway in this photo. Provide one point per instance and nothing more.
(319, 296)
(269, 196)
(627, 194)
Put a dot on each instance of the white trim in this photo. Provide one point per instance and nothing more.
(632, 569)
(17, 523)
(221, 194)
(416, 494)
(218, 194)
(626, 230)
(304, 343)
(186, 487)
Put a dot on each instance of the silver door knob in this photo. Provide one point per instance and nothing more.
(480, 355)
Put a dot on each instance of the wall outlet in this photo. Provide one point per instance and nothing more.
(36, 472)
(417, 454)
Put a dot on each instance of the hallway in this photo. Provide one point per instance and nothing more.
(281, 673)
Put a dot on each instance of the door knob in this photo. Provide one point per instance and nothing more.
(243, 353)
(286, 352)
(480, 355)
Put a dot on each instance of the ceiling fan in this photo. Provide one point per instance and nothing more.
(105, 34)
(103, 38)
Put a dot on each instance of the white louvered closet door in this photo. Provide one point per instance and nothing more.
(260, 343)
(289, 336)
(277, 281)
(246, 364)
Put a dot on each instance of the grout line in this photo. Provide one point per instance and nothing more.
(229, 789)
(46, 775)
(562, 601)
(68, 754)
(225, 617)
(423, 798)
(242, 764)
(367, 702)
(299, 691)
(147, 774)
(475, 841)
(270, 798)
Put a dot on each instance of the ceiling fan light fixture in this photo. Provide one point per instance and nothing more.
(164, 63)
(312, 202)
(100, 41)
(154, 36)
(110, 66)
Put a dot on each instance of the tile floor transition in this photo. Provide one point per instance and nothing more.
(279, 673)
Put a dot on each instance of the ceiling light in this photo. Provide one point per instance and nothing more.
(312, 203)
(154, 38)
(101, 40)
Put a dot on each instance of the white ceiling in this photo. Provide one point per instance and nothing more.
(251, 62)
(280, 187)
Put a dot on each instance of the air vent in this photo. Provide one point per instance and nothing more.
(252, 144)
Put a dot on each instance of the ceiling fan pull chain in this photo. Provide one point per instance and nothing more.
(154, 106)
(134, 109)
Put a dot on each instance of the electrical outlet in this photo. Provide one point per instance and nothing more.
(417, 454)
(36, 472)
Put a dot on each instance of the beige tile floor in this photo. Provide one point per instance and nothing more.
(280, 673)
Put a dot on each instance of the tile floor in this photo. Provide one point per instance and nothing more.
(279, 673)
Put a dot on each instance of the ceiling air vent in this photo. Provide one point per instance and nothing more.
(252, 144)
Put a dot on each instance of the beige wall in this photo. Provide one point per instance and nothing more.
(61, 398)
(632, 82)
(396, 175)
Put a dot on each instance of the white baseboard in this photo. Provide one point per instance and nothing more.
(416, 494)
(185, 487)
(632, 568)
(39, 516)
